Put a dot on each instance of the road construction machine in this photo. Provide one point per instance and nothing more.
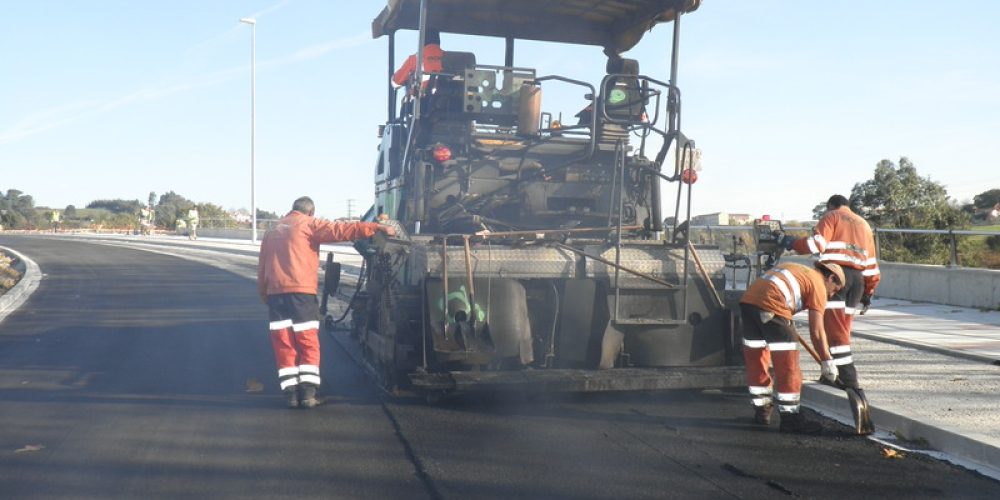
(531, 253)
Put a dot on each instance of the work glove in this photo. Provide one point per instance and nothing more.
(388, 229)
(787, 242)
(828, 372)
(783, 240)
(866, 302)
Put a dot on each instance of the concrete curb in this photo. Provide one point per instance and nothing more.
(10, 301)
(971, 452)
(971, 356)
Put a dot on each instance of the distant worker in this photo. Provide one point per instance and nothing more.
(769, 337)
(146, 220)
(192, 222)
(287, 278)
(55, 219)
(432, 60)
(843, 237)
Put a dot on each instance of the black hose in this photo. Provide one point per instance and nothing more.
(357, 290)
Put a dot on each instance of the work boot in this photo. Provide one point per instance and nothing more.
(309, 398)
(762, 414)
(291, 397)
(797, 423)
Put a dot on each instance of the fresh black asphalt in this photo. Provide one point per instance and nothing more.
(130, 374)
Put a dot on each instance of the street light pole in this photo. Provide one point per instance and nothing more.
(253, 116)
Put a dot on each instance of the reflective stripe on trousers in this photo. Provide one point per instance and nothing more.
(296, 352)
(787, 377)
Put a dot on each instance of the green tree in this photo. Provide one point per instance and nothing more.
(17, 210)
(118, 206)
(986, 199)
(171, 207)
(152, 199)
(819, 210)
(898, 197)
(212, 215)
(70, 212)
(265, 215)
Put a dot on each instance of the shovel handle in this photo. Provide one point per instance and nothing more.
(808, 347)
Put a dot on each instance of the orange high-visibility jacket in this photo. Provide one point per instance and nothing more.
(289, 253)
(787, 289)
(844, 238)
(432, 64)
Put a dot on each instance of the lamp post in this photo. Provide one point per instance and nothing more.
(253, 114)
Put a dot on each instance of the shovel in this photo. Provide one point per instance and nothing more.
(859, 403)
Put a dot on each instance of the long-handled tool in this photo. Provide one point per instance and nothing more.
(859, 403)
(705, 276)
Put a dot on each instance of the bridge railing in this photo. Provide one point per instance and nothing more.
(946, 247)
(950, 247)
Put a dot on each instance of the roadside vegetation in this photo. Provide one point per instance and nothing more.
(897, 197)
(9, 275)
(18, 211)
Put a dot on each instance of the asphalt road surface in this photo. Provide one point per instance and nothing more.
(131, 374)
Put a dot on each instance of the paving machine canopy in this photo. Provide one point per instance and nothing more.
(616, 25)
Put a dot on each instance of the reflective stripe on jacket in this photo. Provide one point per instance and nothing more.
(787, 289)
(843, 237)
(289, 253)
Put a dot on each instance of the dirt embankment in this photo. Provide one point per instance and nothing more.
(11, 270)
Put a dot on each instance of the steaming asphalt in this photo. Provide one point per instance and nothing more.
(133, 374)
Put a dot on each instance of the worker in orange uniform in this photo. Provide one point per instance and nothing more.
(432, 59)
(769, 337)
(287, 277)
(844, 238)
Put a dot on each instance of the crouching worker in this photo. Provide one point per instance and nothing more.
(769, 338)
(287, 277)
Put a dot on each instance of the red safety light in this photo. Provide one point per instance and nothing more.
(689, 176)
(442, 153)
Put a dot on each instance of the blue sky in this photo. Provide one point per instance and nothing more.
(790, 100)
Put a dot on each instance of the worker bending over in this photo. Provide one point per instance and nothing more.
(769, 337)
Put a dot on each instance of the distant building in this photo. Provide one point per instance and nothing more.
(739, 219)
(989, 214)
(241, 215)
(713, 219)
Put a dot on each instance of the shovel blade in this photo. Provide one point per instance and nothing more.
(859, 410)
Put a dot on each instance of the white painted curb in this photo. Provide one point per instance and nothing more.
(10, 301)
(969, 451)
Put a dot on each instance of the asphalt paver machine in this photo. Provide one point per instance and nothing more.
(532, 253)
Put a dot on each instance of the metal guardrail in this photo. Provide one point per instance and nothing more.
(952, 234)
(709, 234)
